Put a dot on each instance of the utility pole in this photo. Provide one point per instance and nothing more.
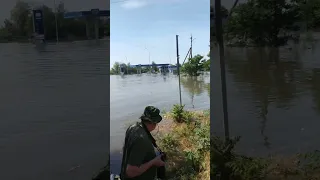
(127, 64)
(56, 19)
(191, 46)
(178, 67)
(218, 21)
(149, 58)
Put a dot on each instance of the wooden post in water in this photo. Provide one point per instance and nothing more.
(219, 34)
(178, 67)
(56, 21)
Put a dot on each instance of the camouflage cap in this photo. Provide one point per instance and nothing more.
(151, 114)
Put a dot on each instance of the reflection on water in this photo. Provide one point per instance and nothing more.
(130, 94)
(195, 86)
(273, 97)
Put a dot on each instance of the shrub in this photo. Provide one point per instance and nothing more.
(177, 113)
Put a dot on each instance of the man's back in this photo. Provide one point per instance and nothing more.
(138, 149)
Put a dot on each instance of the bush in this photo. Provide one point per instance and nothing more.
(177, 113)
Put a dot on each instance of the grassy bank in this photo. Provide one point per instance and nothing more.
(227, 163)
(185, 137)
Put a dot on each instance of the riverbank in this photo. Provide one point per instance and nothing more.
(185, 137)
(228, 163)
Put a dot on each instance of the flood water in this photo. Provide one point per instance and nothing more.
(273, 98)
(130, 94)
(54, 104)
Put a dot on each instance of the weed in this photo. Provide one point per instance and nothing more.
(168, 141)
(187, 116)
(177, 113)
(193, 158)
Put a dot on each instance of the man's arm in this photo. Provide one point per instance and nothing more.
(135, 166)
(134, 171)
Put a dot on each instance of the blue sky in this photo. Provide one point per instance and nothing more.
(142, 26)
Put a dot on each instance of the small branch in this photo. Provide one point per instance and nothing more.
(234, 5)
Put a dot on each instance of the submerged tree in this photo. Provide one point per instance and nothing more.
(193, 66)
(261, 21)
(115, 68)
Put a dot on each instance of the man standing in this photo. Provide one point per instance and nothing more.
(139, 161)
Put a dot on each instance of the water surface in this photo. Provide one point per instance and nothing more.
(273, 98)
(54, 105)
(130, 94)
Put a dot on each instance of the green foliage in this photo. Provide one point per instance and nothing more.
(115, 69)
(169, 141)
(193, 159)
(308, 11)
(261, 21)
(309, 162)
(193, 66)
(177, 113)
(187, 116)
(200, 135)
(248, 168)
(20, 26)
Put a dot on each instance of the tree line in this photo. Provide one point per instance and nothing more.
(19, 27)
(128, 69)
(192, 67)
(270, 22)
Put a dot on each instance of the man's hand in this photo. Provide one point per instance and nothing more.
(157, 161)
(133, 171)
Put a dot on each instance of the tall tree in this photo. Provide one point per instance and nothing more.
(20, 16)
(115, 68)
(193, 66)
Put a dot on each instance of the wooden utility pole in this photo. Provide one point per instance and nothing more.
(178, 67)
(56, 21)
(191, 46)
(219, 34)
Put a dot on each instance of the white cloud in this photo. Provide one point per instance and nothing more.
(134, 4)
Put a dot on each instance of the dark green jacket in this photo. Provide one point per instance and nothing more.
(138, 149)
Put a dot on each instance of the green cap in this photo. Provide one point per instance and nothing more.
(151, 114)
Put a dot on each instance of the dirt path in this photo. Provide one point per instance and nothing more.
(165, 126)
